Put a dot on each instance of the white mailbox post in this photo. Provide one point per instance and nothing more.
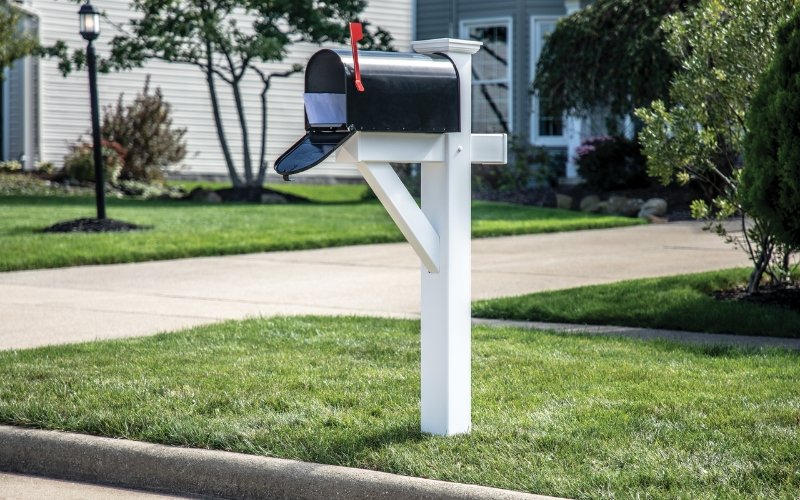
(439, 230)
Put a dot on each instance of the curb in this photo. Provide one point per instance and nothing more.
(747, 341)
(209, 473)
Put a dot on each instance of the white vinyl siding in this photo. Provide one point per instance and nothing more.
(65, 101)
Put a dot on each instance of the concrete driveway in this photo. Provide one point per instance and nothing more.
(97, 302)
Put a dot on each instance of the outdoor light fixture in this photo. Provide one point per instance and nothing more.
(89, 27)
(89, 20)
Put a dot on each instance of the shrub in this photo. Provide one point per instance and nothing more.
(79, 162)
(771, 177)
(528, 164)
(144, 128)
(10, 167)
(45, 168)
(148, 190)
(725, 46)
(607, 163)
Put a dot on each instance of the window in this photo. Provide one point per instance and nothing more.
(547, 122)
(491, 75)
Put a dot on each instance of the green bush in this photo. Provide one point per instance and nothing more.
(771, 177)
(10, 167)
(528, 164)
(607, 163)
(79, 162)
(144, 128)
(148, 190)
(45, 168)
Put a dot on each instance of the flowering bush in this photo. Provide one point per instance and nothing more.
(79, 162)
(607, 163)
(144, 129)
(10, 166)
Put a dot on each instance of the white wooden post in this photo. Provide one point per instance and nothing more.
(445, 310)
(439, 231)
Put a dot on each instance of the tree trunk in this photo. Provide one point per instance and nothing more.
(760, 264)
(262, 166)
(248, 166)
(212, 90)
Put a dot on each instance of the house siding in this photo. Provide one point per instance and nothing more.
(64, 109)
(16, 136)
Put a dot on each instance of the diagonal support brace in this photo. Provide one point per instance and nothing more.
(404, 211)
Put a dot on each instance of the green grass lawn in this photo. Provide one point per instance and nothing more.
(573, 416)
(676, 302)
(186, 229)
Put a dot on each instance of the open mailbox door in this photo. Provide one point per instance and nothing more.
(403, 93)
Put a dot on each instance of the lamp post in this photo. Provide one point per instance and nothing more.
(89, 21)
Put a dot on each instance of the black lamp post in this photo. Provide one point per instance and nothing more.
(90, 29)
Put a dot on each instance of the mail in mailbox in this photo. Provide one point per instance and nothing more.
(403, 93)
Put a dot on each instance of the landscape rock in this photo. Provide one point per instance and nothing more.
(616, 204)
(563, 201)
(632, 207)
(624, 206)
(590, 203)
(654, 206)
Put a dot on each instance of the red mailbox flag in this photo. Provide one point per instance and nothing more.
(355, 35)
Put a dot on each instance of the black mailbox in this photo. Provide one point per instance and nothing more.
(403, 93)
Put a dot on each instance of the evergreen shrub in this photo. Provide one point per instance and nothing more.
(771, 177)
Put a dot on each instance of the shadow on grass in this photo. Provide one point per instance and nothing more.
(669, 346)
(721, 351)
(680, 303)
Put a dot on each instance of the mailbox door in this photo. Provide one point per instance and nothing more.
(309, 151)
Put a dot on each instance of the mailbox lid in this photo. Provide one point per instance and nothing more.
(403, 92)
(309, 151)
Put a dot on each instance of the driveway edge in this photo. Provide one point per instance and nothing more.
(210, 473)
(727, 339)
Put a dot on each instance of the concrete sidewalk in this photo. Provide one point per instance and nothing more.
(94, 302)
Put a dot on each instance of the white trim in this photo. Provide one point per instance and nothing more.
(572, 6)
(414, 10)
(31, 20)
(5, 117)
(535, 51)
(508, 22)
(446, 45)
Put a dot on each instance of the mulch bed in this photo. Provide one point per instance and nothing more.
(249, 194)
(786, 296)
(678, 198)
(92, 225)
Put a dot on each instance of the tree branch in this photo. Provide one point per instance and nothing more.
(266, 79)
